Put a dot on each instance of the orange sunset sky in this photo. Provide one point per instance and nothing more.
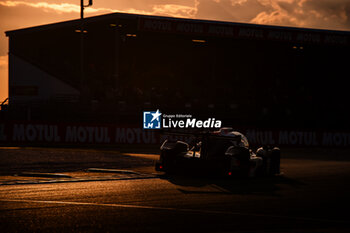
(325, 14)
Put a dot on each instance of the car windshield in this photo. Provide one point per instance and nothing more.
(229, 132)
(244, 140)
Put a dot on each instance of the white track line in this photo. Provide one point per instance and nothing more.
(179, 209)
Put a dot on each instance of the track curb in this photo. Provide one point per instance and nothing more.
(45, 175)
(103, 170)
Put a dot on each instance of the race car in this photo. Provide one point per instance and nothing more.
(223, 152)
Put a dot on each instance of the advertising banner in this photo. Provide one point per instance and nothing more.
(30, 133)
(236, 30)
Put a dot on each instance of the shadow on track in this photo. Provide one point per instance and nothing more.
(233, 185)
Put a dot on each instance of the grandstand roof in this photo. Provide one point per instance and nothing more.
(207, 28)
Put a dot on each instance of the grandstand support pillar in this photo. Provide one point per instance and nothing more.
(82, 78)
(82, 53)
(214, 69)
(81, 9)
(84, 91)
(116, 58)
(82, 58)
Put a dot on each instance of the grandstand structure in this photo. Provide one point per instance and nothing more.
(243, 73)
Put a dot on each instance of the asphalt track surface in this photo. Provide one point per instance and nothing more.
(312, 195)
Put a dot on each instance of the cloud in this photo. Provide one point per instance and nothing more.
(331, 14)
(58, 8)
(175, 10)
(229, 10)
(172, 10)
(3, 78)
(3, 61)
(327, 14)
